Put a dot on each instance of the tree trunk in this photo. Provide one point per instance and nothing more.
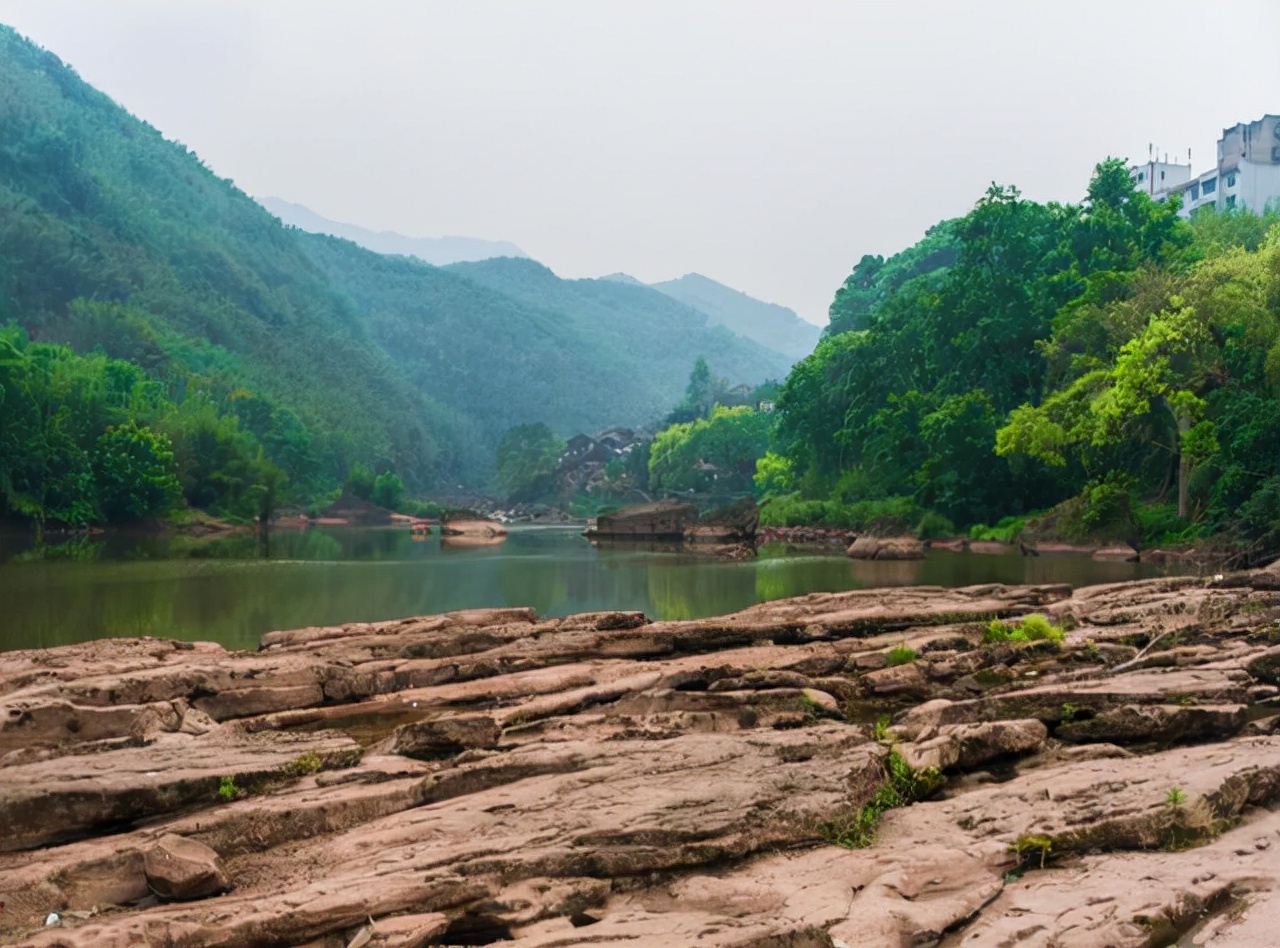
(1184, 468)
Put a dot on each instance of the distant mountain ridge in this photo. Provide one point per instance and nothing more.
(438, 251)
(769, 324)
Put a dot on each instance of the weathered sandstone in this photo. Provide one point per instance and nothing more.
(600, 779)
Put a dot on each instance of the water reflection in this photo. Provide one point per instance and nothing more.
(233, 589)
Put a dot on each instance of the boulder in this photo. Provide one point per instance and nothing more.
(179, 869)
(886, 548)
(661, 520)
(480, 529)
(966, 746)
(445, 736)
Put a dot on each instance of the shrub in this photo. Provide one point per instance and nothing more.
(883, 517)
(227, 789)
(934, 526)
(1007, 530)
(423, 508)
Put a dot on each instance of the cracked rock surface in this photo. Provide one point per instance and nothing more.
(488, 776)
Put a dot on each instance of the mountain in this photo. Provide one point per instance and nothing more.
(621, 277)
(435, 250)
(769, 324)
(612, 316)
(328, 354)
(113, 237)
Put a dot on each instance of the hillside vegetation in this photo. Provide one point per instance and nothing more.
(303, 355)
(1107, 362)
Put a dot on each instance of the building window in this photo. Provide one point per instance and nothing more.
(1195, 192)
(1161, 175)
(1142, 176)
(1210, 185)
(1231, 180)
(1231, 200)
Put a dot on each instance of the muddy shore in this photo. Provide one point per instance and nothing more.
(747, 780)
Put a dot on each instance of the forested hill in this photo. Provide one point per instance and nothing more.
(526, 346)
(112, 236)
(769, 324)
(274, 350)
(435, 250)
(631, 328)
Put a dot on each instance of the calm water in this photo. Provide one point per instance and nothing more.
(232, 590)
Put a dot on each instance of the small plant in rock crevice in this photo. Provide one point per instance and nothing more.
(1175, 798)
(900, 655)
(305, 765)
(227, 789)
(1033, 850)
(880, 730)
(903, 785)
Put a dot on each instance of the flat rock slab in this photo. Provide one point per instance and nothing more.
(64, 798)
(597, 779)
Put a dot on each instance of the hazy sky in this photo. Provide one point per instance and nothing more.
(767, 145)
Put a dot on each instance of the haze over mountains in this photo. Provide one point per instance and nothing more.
(435, 250)
(769, 324)
(112, 236)
(772, 326)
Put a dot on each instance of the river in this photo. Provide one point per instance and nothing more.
(231, 590)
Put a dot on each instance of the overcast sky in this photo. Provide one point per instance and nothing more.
(766, 145)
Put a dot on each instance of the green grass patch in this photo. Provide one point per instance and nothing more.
(901, 655)
(1032, 628)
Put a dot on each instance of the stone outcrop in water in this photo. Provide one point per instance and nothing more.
(886, 548)
(661, 520)
(602, 779)
(729, 529)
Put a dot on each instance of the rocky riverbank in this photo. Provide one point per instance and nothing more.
(878, 767)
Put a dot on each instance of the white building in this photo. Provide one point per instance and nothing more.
(1158, 178)
(1247, 175)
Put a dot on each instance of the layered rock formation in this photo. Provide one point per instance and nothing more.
(602, 779)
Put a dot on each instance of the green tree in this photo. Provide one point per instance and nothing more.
(715, 453)
(526, 463)
(135, 473)
(775, 475)
(360, 481)
(388, 490)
